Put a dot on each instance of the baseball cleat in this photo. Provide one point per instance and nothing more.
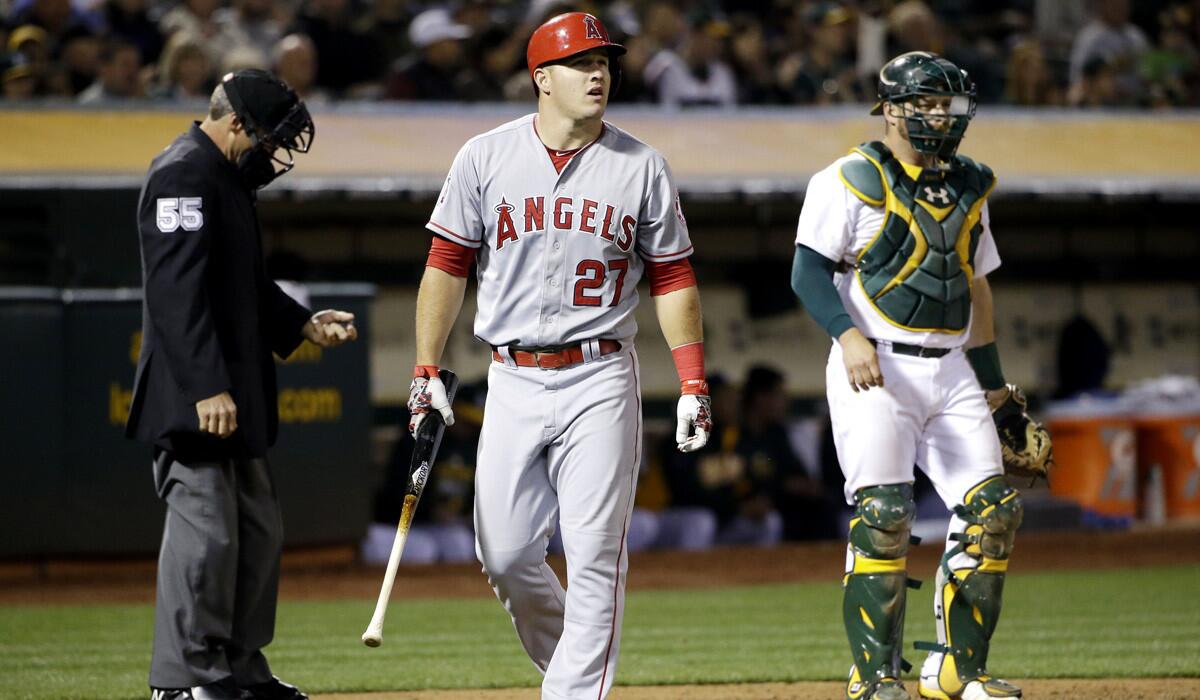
(982, 688)
(274, 689)
(886, 689)
(221, 690)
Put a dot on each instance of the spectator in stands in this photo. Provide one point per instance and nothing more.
(823, 70)
(120, 74)
(1097, 87)
(1172, 66)
(495, 52)
(130, 20)
(57, 17)
(1029, 81)
(184, 70)
(251, 25)
(28, 51)
(797, 498)
(913, 26)
(1110, 38)
(296, 65)
(438, 70)
(242, 58)
(699, 75)
(1058, 21)
(80, 61)
(816, 51)
(751, 63)
(17, 77)
(351, 64)
(664, 26)
(387, 22)
(195, 18)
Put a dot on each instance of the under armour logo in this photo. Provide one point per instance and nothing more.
(592, 27)
(940, 194)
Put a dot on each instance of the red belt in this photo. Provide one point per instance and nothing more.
(555, 359)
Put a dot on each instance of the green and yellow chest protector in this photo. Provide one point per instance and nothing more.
(917, 271)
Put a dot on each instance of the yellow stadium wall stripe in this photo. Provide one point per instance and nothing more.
(755, 143)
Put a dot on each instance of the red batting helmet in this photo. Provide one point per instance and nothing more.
(567, 35)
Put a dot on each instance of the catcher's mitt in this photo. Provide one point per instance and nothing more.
(1024, 443)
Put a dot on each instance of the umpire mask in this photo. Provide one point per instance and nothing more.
(276, 121)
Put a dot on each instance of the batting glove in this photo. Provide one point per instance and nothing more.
(424, 394)
(694, 413)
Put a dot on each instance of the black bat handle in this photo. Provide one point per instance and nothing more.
(429, 438)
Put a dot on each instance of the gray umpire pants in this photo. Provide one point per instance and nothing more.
(218, 572)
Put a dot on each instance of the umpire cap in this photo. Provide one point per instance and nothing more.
(270, 110)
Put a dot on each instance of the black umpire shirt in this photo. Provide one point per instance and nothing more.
(210, 316)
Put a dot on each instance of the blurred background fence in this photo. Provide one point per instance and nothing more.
(1094, 217)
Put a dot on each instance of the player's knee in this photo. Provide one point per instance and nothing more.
(883, 520)
(993, 511)
(507, 564)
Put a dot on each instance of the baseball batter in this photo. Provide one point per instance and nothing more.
(562, 214)
(893, 251)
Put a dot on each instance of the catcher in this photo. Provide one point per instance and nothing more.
(893, 250)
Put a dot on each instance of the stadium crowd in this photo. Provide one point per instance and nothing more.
(709, 52)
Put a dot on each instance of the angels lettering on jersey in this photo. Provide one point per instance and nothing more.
(561, 252)
(583, 215)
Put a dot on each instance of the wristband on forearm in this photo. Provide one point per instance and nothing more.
(689, 363)
(985, 360)
(425, 371)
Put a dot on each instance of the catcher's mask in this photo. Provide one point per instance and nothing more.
(935, 97)
(276, 121)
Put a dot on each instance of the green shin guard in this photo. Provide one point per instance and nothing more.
(969, 598)
(876, 584)
(970, 612)
(873, 610)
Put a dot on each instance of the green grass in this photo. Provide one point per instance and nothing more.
(1077, 624)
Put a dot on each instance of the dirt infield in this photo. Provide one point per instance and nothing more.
(332, 573)
(1064, 689)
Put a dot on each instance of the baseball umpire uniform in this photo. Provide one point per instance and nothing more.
(893, 247)
(205, 392)
(563, 214)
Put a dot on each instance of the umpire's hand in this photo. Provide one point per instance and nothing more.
(218, 415)
(330, 327)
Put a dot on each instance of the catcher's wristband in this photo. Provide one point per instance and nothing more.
(985, 360)
(425, 371)
(689, 364)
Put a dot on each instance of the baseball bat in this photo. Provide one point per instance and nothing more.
(428, 439)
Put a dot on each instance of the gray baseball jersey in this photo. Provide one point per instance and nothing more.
(560, 255)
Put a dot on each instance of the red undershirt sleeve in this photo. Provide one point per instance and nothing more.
(450, 257)
(667, 277)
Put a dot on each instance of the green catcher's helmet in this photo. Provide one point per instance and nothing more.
(910, 76)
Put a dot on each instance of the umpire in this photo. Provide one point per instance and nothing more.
(205, 392)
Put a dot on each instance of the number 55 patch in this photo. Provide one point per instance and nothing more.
(173, 213)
